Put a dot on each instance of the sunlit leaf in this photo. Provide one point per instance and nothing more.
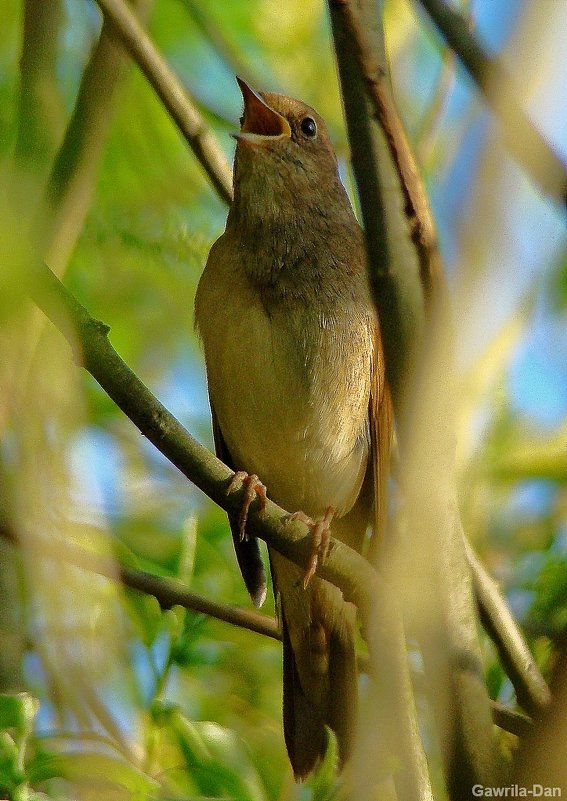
(91, 769)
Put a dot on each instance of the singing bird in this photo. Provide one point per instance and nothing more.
(296, 382)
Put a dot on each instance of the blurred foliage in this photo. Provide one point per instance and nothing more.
(122, 698)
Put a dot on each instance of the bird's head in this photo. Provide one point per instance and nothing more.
(283, 150)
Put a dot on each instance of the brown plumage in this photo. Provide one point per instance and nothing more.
(296, 384)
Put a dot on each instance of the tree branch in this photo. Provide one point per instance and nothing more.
(229, 53)
(88, 337)
(394, 269)
(40, 123)
(531, 689)
(170, 91)
(521, 136)
(394, 273)
(168, 592)
(435, 109)
(73, 174)
(511, 721)
(445, 618)
(416, 206)
(518, 662)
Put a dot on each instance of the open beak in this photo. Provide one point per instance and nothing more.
(261, 123)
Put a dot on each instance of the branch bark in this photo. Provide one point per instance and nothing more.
(395, 276)
(394, 271)
(39, 129)
(532, 692)
(411, 297)
(89, 340)
(170, 91)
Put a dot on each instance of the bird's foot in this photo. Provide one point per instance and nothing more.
(320, 537)
(253, 488)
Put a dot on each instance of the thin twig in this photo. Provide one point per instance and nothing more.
(171, 593)
(174, 97)
(231, 55)
(521, 136)
(435, 108)
(73, 175)
(510, 720)
(168, 592)
(531, 689)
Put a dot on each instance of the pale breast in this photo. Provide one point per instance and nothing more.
(290, 391)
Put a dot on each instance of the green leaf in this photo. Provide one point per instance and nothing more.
(97, 769)
(535, 458)
(146, 614)
(18, 711)
(10, 774)
(217, 761)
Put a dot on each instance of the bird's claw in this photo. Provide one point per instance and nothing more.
(320, 538)
(253, 488)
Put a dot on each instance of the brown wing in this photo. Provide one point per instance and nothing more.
(381, 419)
(247, 550)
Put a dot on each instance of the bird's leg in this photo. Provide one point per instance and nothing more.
(320, 537)
(253, 488)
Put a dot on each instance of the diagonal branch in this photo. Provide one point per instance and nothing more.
(73, 174)
(170, 91)
(230, 54)
(434, 111)
(168, 592)
(531, 689)
(521, 136)
(88, 337)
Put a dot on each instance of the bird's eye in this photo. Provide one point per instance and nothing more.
(309, 127)
(241, 121)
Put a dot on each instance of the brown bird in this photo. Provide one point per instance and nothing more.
(296, 384)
